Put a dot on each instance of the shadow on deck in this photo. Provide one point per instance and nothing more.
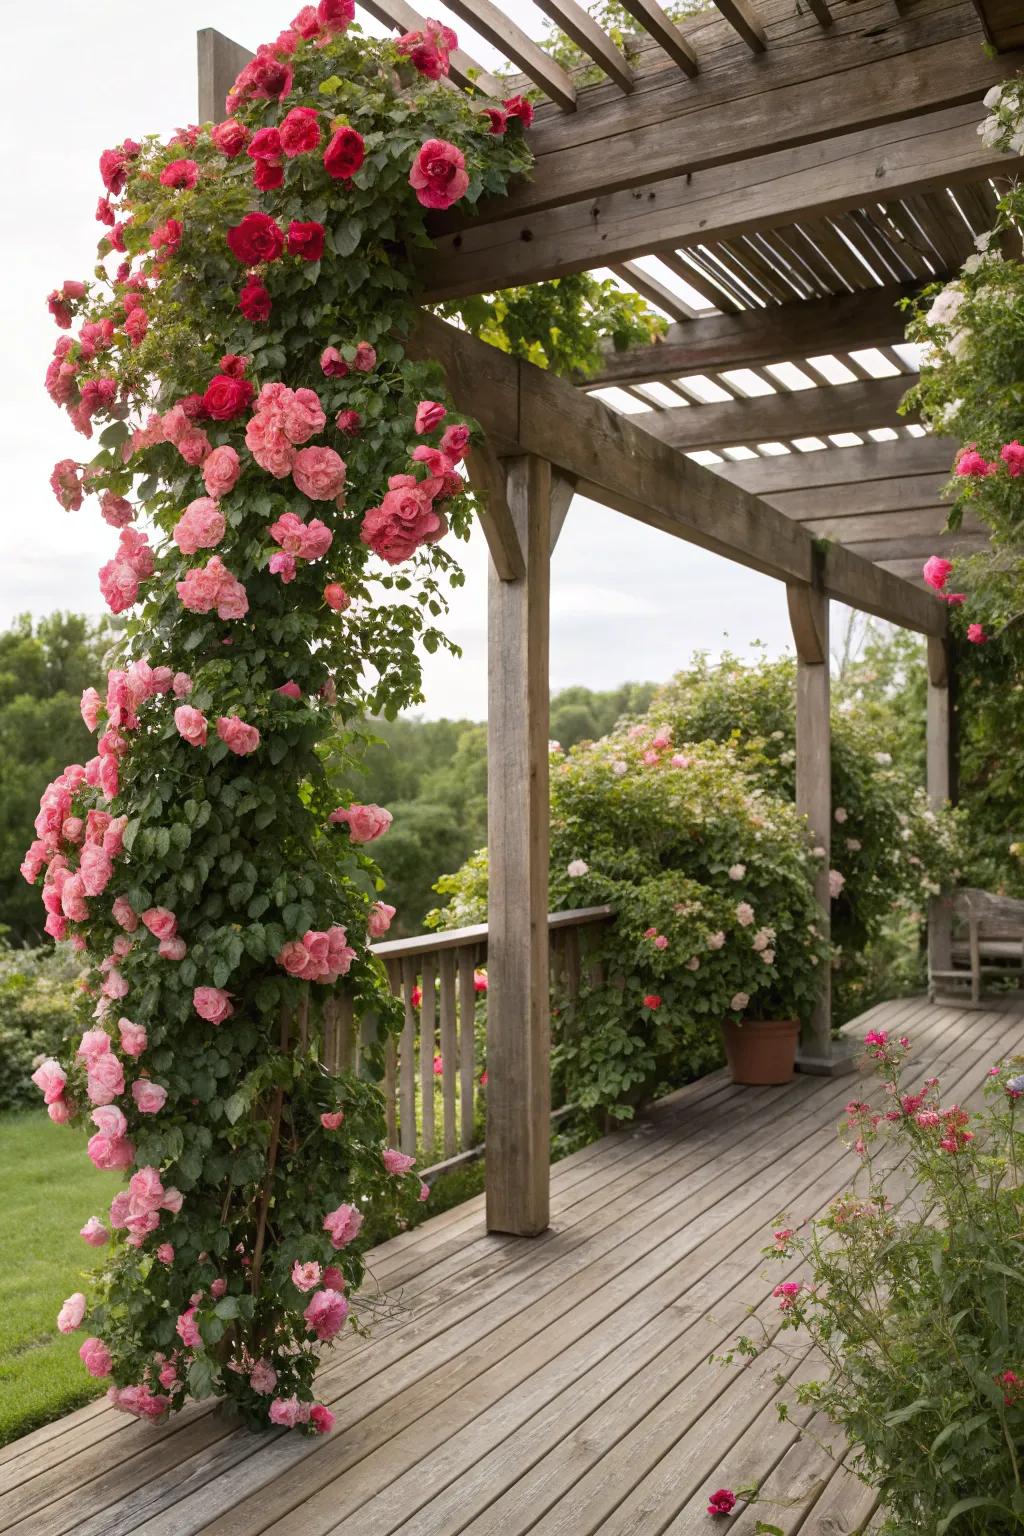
(557, 1386)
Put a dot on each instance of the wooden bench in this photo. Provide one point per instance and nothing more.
(987, 940)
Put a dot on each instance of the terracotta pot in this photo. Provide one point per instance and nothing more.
(761, 1052)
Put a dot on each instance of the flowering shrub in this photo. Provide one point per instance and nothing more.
(918, 1309)
(889, 850)
(710, 879)
(243, 365)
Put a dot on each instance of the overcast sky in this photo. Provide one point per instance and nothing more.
(628, 603)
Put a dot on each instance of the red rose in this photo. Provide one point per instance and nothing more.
(254, 301)
(230, 137)
(258, 238)
(265, 145)
(497, 118)
(306, 240)
(226, 397)
(233, 365)
(300, 131)
(180, 173)
(113, 170)
(348, 422)
(344, 154)
(336, 15)
(518, 106)
(267, 174)
(104, 211)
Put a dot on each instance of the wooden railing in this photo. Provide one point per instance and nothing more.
(432, 1073)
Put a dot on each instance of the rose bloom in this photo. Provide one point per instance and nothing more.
(325, 1314)
(221, 470)
(257, 238)
(105, 1079)
(331, 1119)
(263, 1377)
(191, 725)
(237, 736)
(321, 1418)
(429, 414)
(133, 1037)
(344, 154)
(365, 822)
(336, 597)
(300, 131)
(94, 1233)
(230, 137)
(438, 175)
(149, 1097)
(212, 1004)
(319, 473)
(379, 919)
(397, 1163)
(71, 1313)
(160, 921)
(226, 396)
(936, 571)
(200, 526)
(306, 240)
(95, 1356)
(305, 1277)
(332, 364)
(343, 1225)
(254, 301)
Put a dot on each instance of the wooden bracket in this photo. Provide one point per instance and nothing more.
(487, 476)
(563, 489)
(805, 617)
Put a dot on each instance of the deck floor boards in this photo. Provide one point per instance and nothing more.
(556, 1386)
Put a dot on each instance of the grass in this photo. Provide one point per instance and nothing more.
(48, 1189)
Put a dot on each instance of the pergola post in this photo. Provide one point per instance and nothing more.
(809, 615)
(940, 775)
(518, 1021)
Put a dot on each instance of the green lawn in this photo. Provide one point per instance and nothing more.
(48, 1189)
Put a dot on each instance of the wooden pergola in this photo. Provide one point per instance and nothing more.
(775, 175)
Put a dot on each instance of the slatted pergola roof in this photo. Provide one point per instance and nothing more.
(774, 176)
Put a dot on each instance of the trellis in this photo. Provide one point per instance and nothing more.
(799, 170)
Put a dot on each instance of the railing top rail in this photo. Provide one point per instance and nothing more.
(465, 938)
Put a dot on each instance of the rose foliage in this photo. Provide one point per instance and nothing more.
(918, 1308)
(278, 474)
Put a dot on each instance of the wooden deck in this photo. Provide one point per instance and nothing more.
(558, 1386)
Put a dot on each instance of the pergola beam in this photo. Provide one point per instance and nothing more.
(523, 409)
(819, 86)
(843, 466)
(1003, 21)
(783, 332)
(766, 418)
(758, 192)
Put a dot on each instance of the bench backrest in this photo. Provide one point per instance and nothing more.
(997, 917)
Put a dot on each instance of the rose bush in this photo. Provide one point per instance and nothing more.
(710, 878)
(239, 354)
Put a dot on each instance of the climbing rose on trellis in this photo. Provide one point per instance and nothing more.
(242, 358)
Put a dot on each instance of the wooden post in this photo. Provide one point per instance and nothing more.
(220, 63)
(940, 767)
(518, 1023)
(808, 614)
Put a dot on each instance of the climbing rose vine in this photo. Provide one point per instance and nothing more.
(279, 476)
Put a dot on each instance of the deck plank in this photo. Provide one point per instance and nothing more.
(556, 1386)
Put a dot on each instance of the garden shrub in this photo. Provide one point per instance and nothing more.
(918, 1308)
(39, 992)
(710, 877)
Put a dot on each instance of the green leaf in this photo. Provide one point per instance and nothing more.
(227, 1308)
(961, 1508)
(234, 1107)
(201, 1377)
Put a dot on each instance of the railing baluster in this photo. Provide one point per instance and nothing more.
(428, 1047)
(467, 1045)
(345, 1037)
(407, 1063)
(449, 1051)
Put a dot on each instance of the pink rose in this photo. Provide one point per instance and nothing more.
(160, 921)
(94, 1044)
(290, 689)
(173, 948)
(365, 822)
(285, 1411)
(110, 1152)
(181, 685)
(105, 1079)
(133, 1037)
(237, 736)
(191, 724)
(319, 473)
(332, 1119)
(188, 1330)
(200, 526)
(282, 564)
(438, 175)
(325, 1314)
(305, 1277)
(71, 1313)
(221, 470)
(300, 131)
(50, 1078)
(455, 441)
(212, 1004)
(365, 360)
(149, 1097)
(165, 1253)
(429, 415)
(95, 1356)
(332, 364)
(124, 915)
(397, 1163)
(336, 597)
(937, 571)
(343, 1225)
(263, 1377)
(321, 1418)
(94, 1233)
(379, 919)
